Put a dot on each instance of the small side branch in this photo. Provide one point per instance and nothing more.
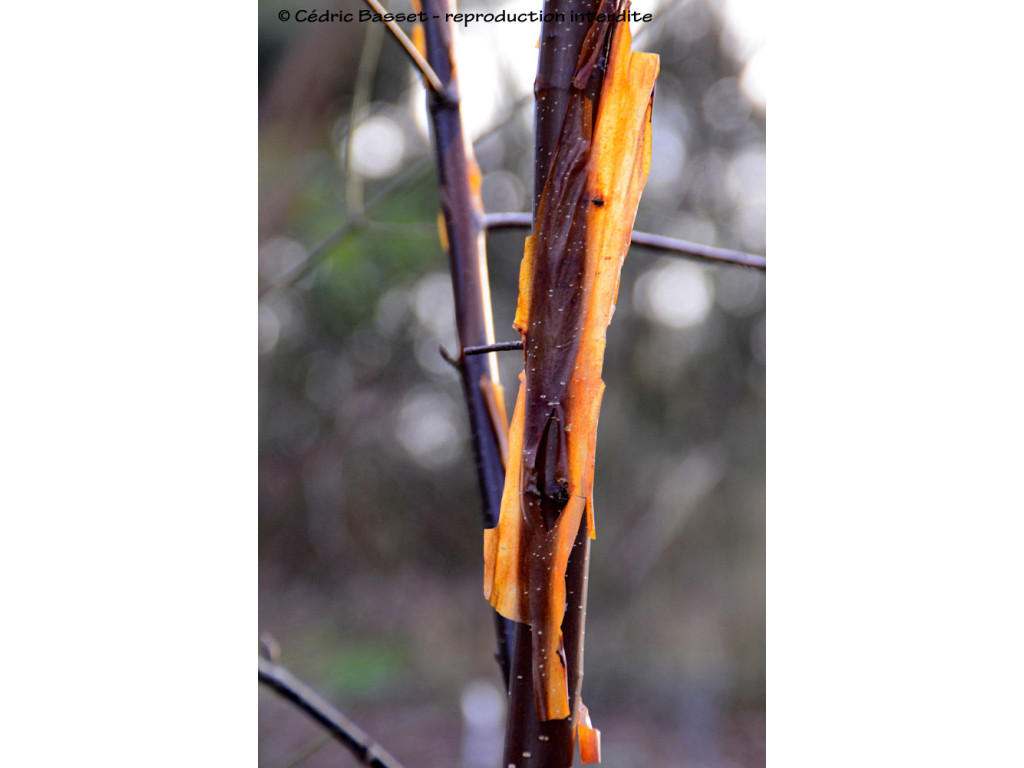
(655, 242)
(504, 346)
(289, 687)
(698, 251)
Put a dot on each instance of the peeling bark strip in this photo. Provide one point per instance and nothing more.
(567, 289)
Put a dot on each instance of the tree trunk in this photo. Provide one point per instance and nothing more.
(530, 742)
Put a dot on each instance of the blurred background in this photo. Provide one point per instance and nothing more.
(370, 573)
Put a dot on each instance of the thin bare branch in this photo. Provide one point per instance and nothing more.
(503, 346)
(508, 221)
(421, 64)
(360, 101)
(289, 687)
(315, 256)
(646, 240)
(697, 251)
(319, 252)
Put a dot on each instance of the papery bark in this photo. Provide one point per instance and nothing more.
(537, 556)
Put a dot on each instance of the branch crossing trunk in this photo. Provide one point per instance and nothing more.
(592, 155)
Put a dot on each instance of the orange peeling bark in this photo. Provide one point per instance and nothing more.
(567, 289)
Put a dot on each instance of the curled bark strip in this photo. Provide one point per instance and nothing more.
(568, 284)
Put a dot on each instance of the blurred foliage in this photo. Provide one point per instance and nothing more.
(370, 542)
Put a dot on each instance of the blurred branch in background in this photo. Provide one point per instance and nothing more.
(283, 682)
(361, 94)
(359, 222)
(668, 245)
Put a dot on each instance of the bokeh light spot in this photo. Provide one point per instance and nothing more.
(270, 329)
(279, 256)
(668, 147)
(377, 147)
(740, 292)
(725, 105)
(502, 191)
(676, 294)
(426, 429)
(433, 304)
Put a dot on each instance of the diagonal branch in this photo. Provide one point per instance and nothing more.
(320, 251)
(289, 687)
(646, 240)
(410, 48)
(360, 101)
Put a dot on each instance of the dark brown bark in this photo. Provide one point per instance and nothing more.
(529, 742)
(560, 46)
(563, 112)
